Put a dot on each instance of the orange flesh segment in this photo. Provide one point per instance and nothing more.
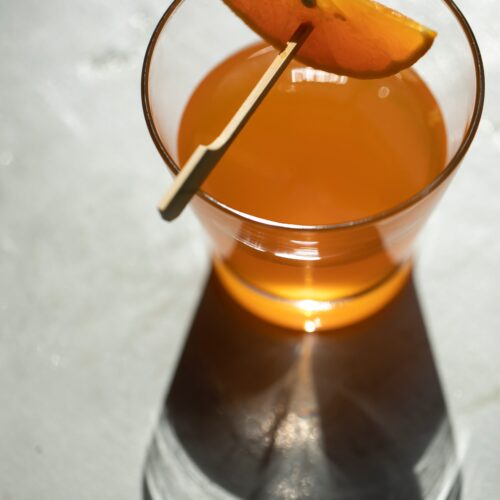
(358, 38)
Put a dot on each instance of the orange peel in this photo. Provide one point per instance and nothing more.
(357, 38)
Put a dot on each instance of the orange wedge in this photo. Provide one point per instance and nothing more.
(358, 38)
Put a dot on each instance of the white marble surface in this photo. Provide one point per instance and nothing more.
(96, 291)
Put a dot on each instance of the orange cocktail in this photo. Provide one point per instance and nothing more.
(315, 207)
(321, 149)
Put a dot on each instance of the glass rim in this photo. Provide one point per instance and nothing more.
(379, 216)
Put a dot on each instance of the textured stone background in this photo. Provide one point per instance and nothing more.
(96, 292)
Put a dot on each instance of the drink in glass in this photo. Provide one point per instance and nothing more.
(315, 208)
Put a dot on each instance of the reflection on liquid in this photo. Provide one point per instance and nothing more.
(258, 412)
(315, 75)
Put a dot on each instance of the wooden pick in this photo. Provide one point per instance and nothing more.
(203, 160)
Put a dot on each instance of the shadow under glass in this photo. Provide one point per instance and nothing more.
(259, 412)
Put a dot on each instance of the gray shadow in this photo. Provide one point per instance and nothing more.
(268, 413)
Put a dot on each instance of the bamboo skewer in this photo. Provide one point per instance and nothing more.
(205, 158)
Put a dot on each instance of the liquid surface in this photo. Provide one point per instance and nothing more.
(321, 149)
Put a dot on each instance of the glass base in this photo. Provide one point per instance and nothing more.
(313, 315)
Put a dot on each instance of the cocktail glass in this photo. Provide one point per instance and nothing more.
(319, 276)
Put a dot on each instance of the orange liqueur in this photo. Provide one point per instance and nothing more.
(321, 149)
